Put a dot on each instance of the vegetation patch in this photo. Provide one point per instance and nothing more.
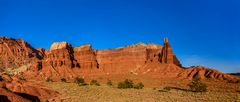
(63, 80)
(125, 84)
(80, 81)
(94, 82)
(197, 85)
(109, 83)
(129, 84)
(49, 79)
(138, 86)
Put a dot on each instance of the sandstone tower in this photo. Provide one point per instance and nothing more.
(168, 57)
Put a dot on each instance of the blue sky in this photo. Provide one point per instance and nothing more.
(201, 32)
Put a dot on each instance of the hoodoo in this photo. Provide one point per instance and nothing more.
(167, 55)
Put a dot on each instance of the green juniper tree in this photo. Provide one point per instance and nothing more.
(197, 85)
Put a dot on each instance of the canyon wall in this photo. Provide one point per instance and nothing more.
(64, 61)
(15, 53)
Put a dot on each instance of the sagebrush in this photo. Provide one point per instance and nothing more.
(197, 85)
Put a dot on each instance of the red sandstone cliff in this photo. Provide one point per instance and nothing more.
(57, 62)
(85, 57)
(64, 61)
(16, 52)
(126, 59)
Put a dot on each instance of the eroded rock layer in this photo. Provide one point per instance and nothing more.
(85, 57)
(64, 61)
(16, 52)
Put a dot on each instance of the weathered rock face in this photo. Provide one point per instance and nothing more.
(41, 51)
(83, 60)
(64, 61)
(127, 59)
(15, 53)
(86, 57)
(16, 90)
(58, 61)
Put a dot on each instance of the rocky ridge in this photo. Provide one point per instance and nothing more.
(16, 52)
(64, 61)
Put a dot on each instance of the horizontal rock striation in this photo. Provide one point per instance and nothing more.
(64, 61)
(85, 57)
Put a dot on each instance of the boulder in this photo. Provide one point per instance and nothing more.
(85, 47)
(60, 45)
(19, 90)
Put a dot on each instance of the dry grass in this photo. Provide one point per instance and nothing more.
(15, 71)
(71, 92)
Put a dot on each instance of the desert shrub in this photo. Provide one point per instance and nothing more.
(80, 81)
(197, 86)
(94, 82)
(129, 84)
(63, 80)
(138, 86)
(48, 79)
(109, 83)
(125, 84)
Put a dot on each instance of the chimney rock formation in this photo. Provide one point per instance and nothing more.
(167, 54)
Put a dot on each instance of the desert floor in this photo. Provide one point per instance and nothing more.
(217, 92)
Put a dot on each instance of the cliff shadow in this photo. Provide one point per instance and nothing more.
(29, 97)
(4, 98)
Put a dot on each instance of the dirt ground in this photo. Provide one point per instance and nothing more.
(217, 92)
